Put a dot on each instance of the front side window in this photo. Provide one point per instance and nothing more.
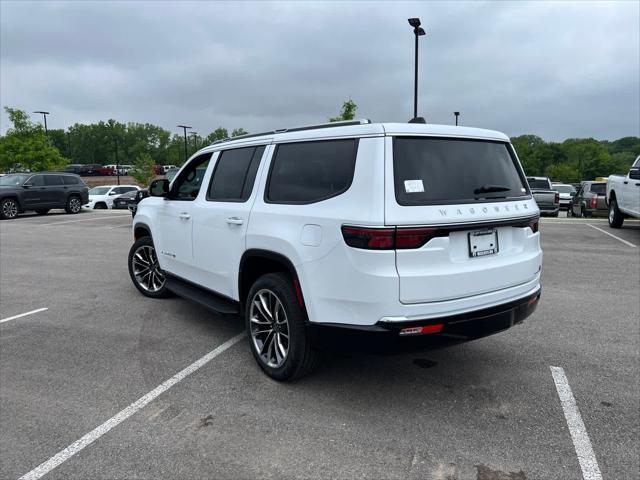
(310, 172)
(235, 174)
(187, 185)
(36, 181)
(430, 171)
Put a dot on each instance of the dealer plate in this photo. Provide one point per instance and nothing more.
(483, 242)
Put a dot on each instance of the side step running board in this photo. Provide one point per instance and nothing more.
(207, 299)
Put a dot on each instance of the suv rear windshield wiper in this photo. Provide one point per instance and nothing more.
(491, 188)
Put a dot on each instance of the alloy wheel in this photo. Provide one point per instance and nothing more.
(269, 328)
(146, 269)
(9, 209)
(75, 205)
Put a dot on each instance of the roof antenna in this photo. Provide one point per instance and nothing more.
(418, 32)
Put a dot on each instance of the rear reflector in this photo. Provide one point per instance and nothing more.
(532, 300)
(422, 330)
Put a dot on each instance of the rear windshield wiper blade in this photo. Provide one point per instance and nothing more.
(491, 188)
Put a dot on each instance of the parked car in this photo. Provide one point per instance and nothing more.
(105, 170)
(546, 197)
(124, 169)
(123, 200)
(398, 230)
(73, 168)
(158, 169)
(90, 169)
(41, 192)
(140, 195)
(166, 168)
(589, 201)
(102, 197)
(171, 173)
(566, 192)
(623, 195)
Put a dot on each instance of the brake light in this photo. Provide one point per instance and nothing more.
(557, 198)
(369, 238)
(534, 223)
(594, 202)
(386, 238)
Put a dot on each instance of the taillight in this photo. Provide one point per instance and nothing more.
(386, 238)
(594, 201)
(533, 224)
(369, 238)
(414, 237)
(557, 198)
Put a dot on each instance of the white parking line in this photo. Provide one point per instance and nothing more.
(581, 442)
(110, 217)
(121, 416)
(23, 314)
(612, 235)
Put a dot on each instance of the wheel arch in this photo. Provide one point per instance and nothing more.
(257, 262)
(15, 197)
(141, 230)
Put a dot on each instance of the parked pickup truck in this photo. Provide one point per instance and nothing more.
(623, 195)
(548, 200)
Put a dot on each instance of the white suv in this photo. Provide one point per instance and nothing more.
(402, 230)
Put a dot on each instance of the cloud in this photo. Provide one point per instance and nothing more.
(556, 69)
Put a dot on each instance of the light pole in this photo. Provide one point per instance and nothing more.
(44, 114)
(115, 141)
(184, 128)
(418, 32)
(457, 114)
(195, 140)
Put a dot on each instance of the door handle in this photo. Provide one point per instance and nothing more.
(235, 221)
(637, 184)
(184, 216)
(625, 182)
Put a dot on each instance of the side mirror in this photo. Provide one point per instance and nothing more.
(159, 188)
(27, 185)
(634, 174)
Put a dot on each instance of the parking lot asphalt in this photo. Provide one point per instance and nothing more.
(487, 410)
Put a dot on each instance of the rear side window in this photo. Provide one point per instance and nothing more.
(599, 188)
(52, 180)
(432, 171)
(36, 181)
(69, 180)
(234, 174)
(311, 171)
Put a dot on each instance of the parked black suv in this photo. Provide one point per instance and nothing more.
(21, 192)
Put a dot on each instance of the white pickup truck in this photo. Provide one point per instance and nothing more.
(623, 195)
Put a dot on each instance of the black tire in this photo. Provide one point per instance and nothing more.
(142, 254)
(300, 358)
(616, 219)
(583, 213)
(100, 206)
(554, 214)
(9, 208)
(74, 205)
(42, 211)
(570, 212)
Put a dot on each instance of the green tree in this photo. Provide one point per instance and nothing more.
(238, 132)
(142, 170)
(348, 111)
(25, 146)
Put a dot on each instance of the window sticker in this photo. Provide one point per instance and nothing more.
(413, 186)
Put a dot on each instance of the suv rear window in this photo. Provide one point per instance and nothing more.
(431, 171)
(309, 172)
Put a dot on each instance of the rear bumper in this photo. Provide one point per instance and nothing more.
(549, 209)
(391, 335)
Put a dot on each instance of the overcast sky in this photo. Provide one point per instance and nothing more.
(554, 69)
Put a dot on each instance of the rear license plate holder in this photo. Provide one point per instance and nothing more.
(483, 242)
